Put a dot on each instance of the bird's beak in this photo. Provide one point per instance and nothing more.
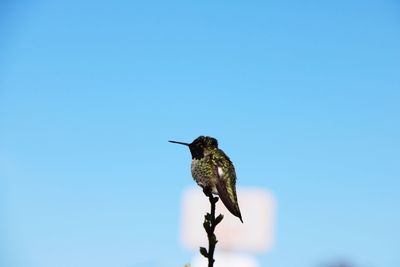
(181, 143)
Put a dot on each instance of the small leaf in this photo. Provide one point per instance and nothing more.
(203, 251)
(212, 239)
(219, 219)
(206, 226)
(208, 217)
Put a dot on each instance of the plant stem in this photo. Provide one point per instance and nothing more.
(210, 222)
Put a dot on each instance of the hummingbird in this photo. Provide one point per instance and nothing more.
(213, 170)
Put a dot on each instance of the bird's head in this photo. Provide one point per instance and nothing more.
(200, 146)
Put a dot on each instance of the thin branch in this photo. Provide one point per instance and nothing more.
(210, 222)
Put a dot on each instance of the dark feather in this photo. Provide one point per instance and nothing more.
(224, 195)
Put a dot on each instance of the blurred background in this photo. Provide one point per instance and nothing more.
(304, 96)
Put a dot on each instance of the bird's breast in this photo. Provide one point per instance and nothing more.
(202, 173)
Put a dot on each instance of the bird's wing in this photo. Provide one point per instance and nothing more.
(226, 183)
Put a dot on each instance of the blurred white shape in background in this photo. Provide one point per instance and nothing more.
(236, 241)
(226, 259)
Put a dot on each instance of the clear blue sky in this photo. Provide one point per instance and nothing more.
(304, 96)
